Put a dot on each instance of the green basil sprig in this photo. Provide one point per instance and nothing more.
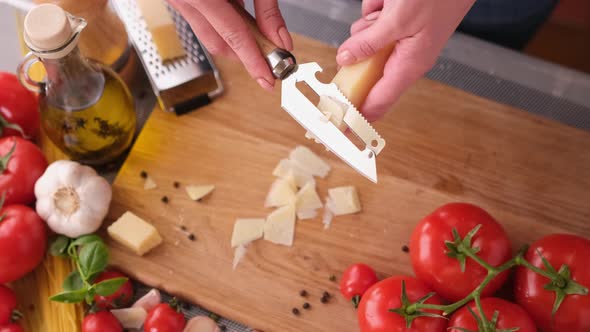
(91, 256)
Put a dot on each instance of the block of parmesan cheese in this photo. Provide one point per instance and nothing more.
(280, 225)
(135, 233)
(343, 200)
(160, 24)
(357, 80)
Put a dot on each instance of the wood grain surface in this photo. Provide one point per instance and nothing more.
(444, 145)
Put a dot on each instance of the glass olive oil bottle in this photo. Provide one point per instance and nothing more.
(86, 109)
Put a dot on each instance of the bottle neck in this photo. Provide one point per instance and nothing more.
(72, 82)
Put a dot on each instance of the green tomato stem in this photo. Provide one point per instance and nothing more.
(523, 262)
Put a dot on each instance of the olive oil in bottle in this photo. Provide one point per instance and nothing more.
(86, 109)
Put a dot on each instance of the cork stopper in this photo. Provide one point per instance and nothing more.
(51, 32)
(47, 27)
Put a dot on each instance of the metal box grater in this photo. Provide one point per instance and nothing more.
(183, 84)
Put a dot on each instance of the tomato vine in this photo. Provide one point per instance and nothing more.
(560, 282)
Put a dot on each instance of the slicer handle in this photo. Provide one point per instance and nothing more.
(280, 61)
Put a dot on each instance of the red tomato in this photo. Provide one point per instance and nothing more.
(20, 169)
(573, 314)
(19, 108)
(510, 315)
(7, 304)
(12, 327)
(355, 281)
(443, 273)
(374, 315)
(121, 298)
(102, 321)
(164, 318)
(22, 242)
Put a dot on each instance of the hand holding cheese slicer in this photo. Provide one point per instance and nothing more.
(284, 67)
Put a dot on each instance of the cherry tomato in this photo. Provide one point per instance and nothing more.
(443, 273)
(355, 281)
(22, 242)
(510, 316)
(12, 327)
(102, 321)
(374, 315)
(19, 109)
(7, 304)
(164, 318)
(119, 299)
(20, 169)
(573, 314)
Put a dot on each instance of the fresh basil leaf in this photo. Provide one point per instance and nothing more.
(72, 282)
(75, 296)
(59, 246)
(85, 239)
(93, 258)
(109, 286)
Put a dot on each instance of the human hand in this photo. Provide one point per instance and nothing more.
(223, 31)
(421, 28)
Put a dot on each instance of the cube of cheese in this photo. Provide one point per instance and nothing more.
(343, 200)
(135, 233)
(280, 226)
(163, 30)
(282, 192)
(246, 231)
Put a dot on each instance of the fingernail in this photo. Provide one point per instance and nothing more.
(286, 39)
(266, 85)
(373, 16)
(345, 58)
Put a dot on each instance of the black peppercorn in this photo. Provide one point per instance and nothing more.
(405, 248)
(192, 237)
(306, 306)
(326, 294)
(143, 174)
(165, 199)
(295, 311)
(324, 299)
(303, 292)
(176, 184)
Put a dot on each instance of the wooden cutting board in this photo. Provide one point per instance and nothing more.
(443, 145)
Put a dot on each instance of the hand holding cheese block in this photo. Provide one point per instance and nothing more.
(419, 27)
(135, 233)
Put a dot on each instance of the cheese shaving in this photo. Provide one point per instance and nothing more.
(239, 253)
(149, 183)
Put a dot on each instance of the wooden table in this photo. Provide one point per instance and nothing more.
(443, 145)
